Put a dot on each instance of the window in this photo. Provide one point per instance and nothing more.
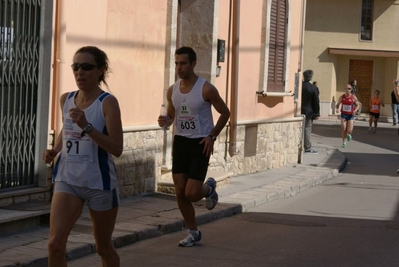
(277, 48)
(366, 30)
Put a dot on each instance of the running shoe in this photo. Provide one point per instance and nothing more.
(344, 145)
(370, 128)
(193, 239)
(212, 198)
(375, 130)
(349, 137)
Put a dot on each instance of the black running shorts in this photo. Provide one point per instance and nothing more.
(188, 157)
(375, 115)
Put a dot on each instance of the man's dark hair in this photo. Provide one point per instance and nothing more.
(308, 75)
(192, 56)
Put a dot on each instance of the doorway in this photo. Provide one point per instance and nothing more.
(362, 72)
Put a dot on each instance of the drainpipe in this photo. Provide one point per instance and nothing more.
(55, 73)
(301, 145)
(57, 60)
(234, 77)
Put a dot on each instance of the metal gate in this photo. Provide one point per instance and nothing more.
(19, 70)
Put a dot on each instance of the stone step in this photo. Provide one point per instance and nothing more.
(24, 209)
(31, 214)
(23, 216)
(222, 179)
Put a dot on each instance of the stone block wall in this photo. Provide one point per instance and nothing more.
(139, 167)
(277, 144)
(140, 163)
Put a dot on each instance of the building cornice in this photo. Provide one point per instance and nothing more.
(362, 52)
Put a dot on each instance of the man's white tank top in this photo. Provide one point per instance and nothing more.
(81, 161)
(193, 114)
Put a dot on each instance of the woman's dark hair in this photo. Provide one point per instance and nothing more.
(101, 60)
(192, 56)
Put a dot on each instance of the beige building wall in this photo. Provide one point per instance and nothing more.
(140, 38)
(336, 24)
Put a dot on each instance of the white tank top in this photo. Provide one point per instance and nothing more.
(82, 162)
(193, 114)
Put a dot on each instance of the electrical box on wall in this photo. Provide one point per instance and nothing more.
(221, 50)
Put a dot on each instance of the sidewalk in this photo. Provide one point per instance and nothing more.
(147, 216)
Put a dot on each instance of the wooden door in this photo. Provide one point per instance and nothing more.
(362, 72)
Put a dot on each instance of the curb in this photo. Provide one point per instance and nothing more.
(81, 245)
(330, 167)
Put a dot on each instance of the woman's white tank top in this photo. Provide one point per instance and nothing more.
(82, 162)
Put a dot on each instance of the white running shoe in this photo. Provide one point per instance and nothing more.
(193, 239)
(212, 198)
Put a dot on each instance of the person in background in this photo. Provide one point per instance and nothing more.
(348, 110)
(396, 88)
(354, 92)
(189, 106)
(310, 107)
(317, 88)
(396, 92)
(85, 171)
(395, 108)
(375, 107)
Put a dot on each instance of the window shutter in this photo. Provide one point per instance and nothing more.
(278, 33)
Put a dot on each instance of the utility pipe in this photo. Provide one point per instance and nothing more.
(234, 77)
(56, 61)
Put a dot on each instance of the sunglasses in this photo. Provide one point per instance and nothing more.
(348, 88)
(83, 66)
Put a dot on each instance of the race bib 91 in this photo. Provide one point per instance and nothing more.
(76, 148)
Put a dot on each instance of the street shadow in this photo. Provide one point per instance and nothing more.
(385, 138)
(331, 220)
(326, 240)
(368, 164)
(369, 161)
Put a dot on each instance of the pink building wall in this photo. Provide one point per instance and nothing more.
(140, 38)
(132, 33)
(251, 74)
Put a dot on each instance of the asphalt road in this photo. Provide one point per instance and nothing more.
(351, 220)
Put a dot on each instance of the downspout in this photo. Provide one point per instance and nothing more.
(56, 73)
(297, 81)
(234, 77)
